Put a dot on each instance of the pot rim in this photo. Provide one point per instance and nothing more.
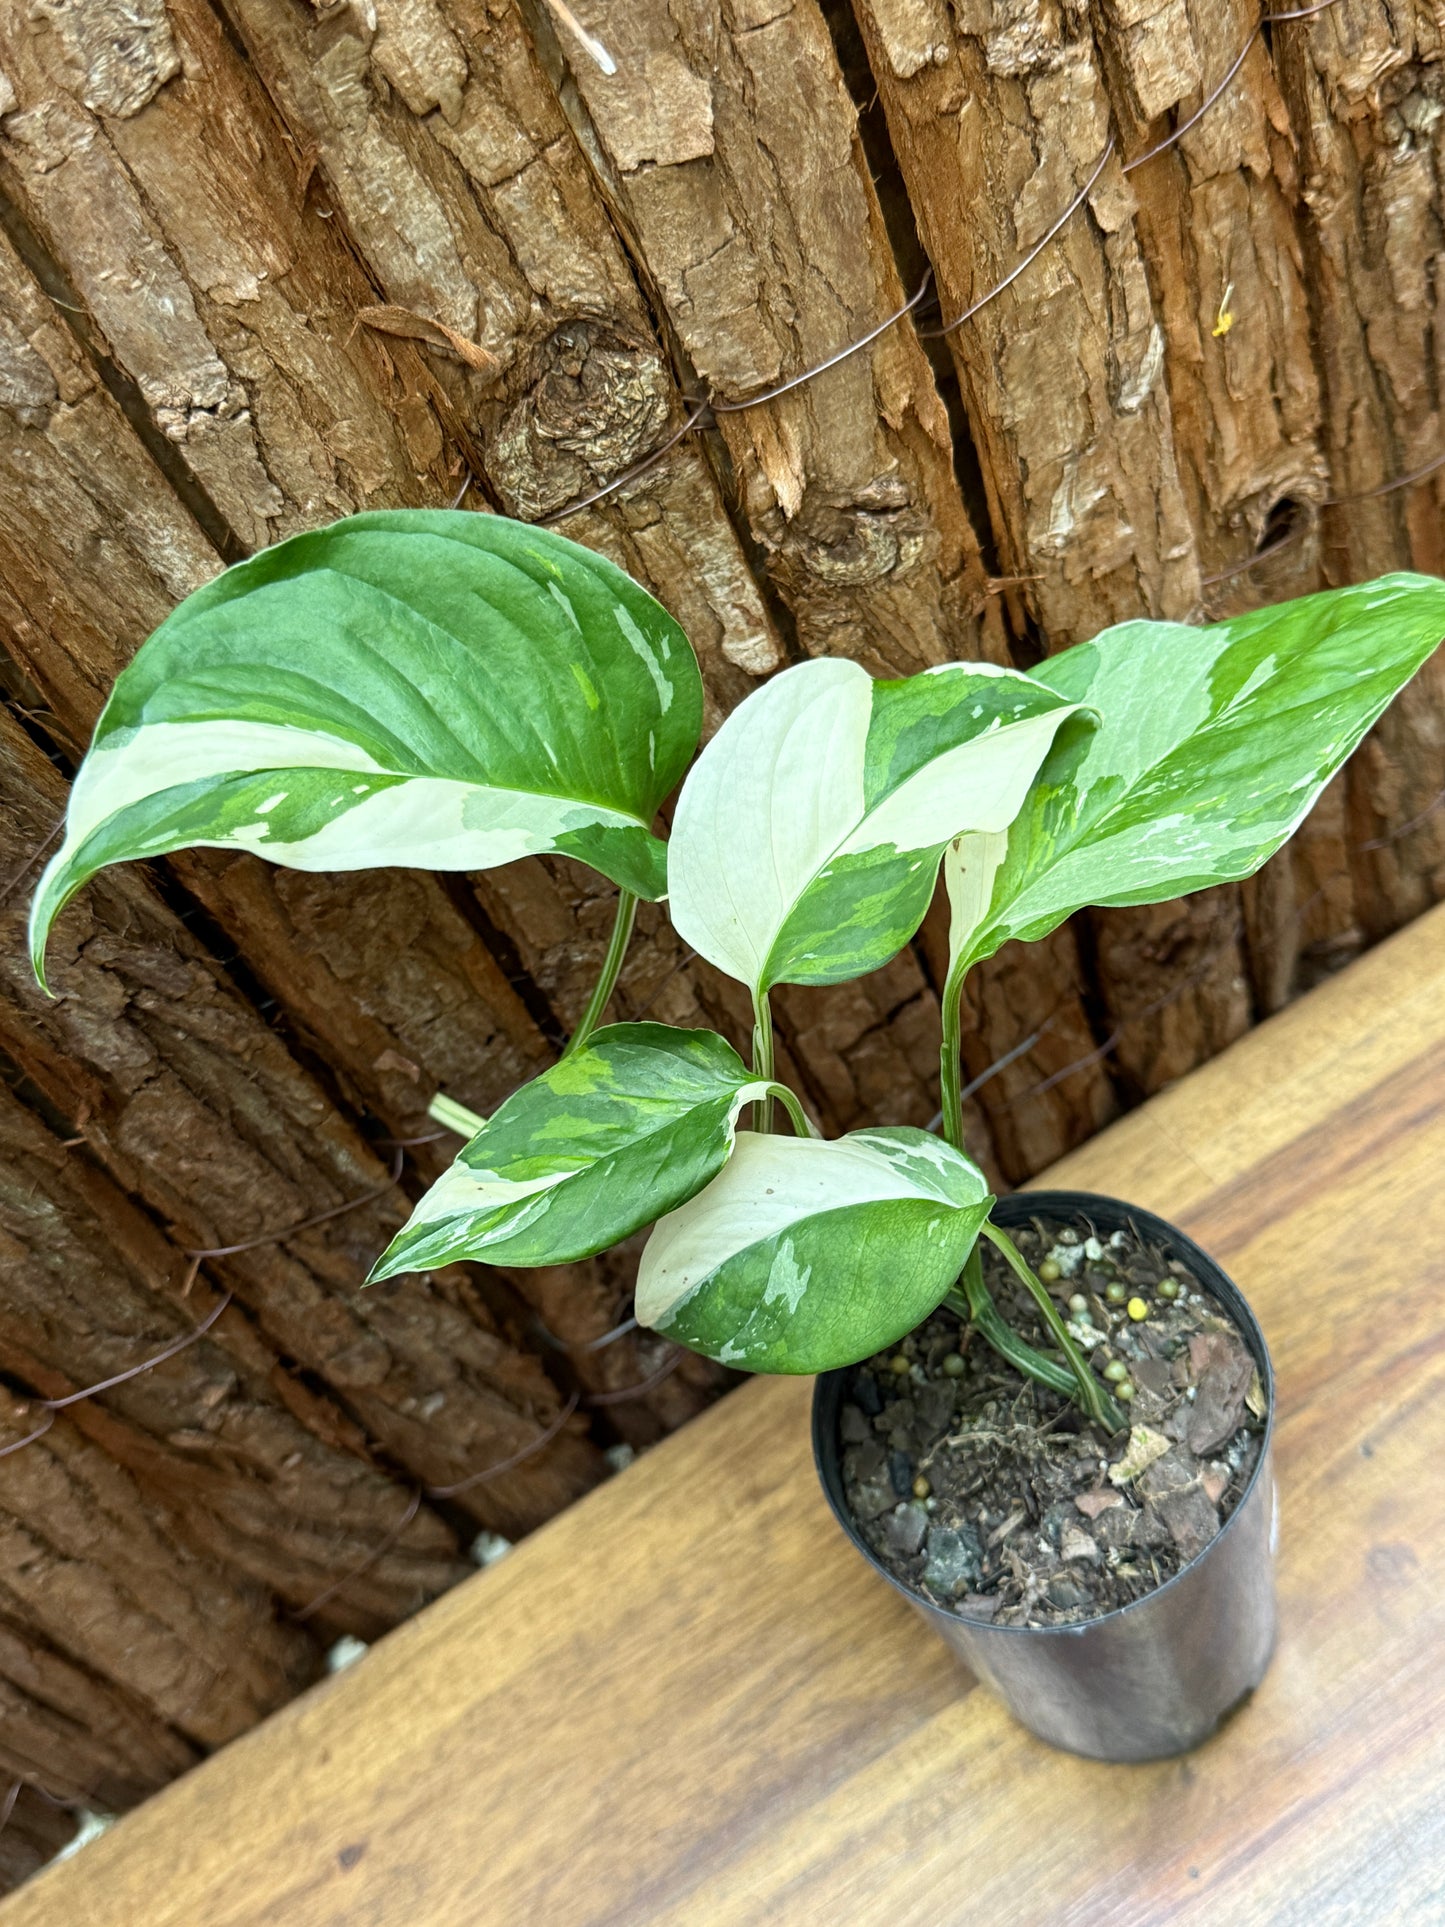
(1253, 1335)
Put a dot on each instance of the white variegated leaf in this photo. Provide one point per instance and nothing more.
(619, 1132)
(802, 1254)
(422, 687)
(1210, 748)
(808, 834)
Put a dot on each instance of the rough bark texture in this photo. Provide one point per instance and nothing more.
(443, 150)
(263, 262)
(999, 115)
(729, 145)
(1365, 88)
(195, 1107)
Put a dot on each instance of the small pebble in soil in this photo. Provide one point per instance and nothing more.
(1138, 1310)
(1050, 1272)
(953, 1365)
(1116, 1292)
(898, 1366)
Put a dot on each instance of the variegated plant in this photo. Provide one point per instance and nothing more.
(455, 691)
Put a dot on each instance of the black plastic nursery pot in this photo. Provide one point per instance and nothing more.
(1155, 1677)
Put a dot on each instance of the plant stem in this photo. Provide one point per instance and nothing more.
(1087, 1389)
(802, 1124)
(626, 916)
(950, 1060)
(975, 1304)
(763, 1056)
(456, 1117)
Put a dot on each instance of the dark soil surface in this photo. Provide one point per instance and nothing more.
(993, 1496)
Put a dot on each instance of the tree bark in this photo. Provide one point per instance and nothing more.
(196, 1108)
(1363, 86)
(258, 1472)
(104, 1577)
(998, 118)
(442, 149)
(728, 145)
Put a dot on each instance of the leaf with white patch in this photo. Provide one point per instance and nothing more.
(803, 1254)
(415, 686)
(619, 1132)
(808, 834)
(1210, 749)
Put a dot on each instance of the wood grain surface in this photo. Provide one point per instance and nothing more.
(687, 1699)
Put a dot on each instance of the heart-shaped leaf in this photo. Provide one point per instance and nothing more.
(1211, 747)
(613, 1136)
(422, 687)
(804, 1254)
(808, 834)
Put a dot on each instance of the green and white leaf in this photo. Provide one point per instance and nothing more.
(1210, 749)
(423, 687)
(804, 1254)
(808, 835)
(612, 1137)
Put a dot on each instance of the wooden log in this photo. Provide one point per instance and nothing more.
(101, 1572)
(1360, 83)
(258, 1471)
(36, 1832)
(155, 185)
(442, 149)
(997, 122)
(193, 1105)
(95, 550)
(728, 144)
(1063, 371)
(76, 1733)
(1216, 232)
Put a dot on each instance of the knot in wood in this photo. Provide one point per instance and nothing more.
(848, 544)
(595, 401)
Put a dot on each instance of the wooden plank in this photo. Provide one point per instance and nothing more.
(687, 1700)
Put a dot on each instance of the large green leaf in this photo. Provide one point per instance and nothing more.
(804, 1254)
(1211, 747)
(808, 834)
(422, 687)
(610, 1138)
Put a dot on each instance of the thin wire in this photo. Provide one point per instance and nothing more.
(810, 374)
(306, 1224)
(53, 1405)
(1328, 502)
(8, 889)
(1405, 829)
(630, 474)
(937, 334)
(1268, 20)
(508, 1464)
(121, 1378)
(681, 965)
(38, 1433)
(581, 1348)
(413, 1506)
(1385, 488)
(629, 1392)
(717, 407)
